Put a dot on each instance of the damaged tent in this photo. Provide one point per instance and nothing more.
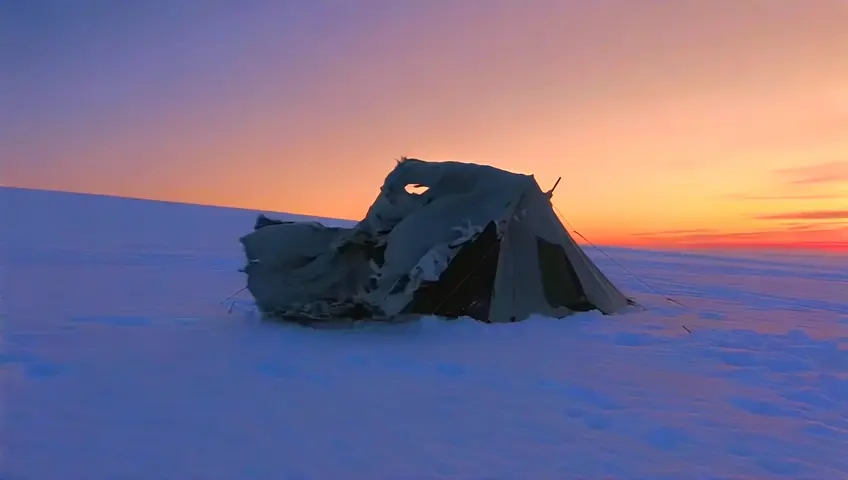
(479, 242)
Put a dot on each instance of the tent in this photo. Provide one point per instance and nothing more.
(479, 242)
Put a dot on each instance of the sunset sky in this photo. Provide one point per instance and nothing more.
(686, 122)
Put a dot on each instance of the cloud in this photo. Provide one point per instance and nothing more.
(816, 236)
(829, 175)
(817, 174)
(664, 233)
(809, 196)
(801, 226)
(809, 215)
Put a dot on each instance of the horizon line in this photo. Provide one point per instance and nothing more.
(836, 248)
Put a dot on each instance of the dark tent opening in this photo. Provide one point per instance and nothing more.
(465, 287)
(560, 282)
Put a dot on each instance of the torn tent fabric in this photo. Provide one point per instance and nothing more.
(480, 241)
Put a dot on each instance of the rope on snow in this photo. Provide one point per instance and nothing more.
(643, 282)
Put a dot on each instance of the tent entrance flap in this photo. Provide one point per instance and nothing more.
(560, 283)
(465, 287)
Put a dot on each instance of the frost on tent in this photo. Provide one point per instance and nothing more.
(445, 238)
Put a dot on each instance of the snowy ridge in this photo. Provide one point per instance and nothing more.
(119, 361)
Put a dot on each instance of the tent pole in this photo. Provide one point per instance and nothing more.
(550, 193)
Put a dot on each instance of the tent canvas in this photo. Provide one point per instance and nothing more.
(479, 242)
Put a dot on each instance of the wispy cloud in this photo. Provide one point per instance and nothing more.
(831, 237)
(809, 215)
(822, 173)
(807, 178)
(809, 196)
(663, 233)
(802, 226)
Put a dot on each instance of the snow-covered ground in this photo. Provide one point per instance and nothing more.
(119, 361)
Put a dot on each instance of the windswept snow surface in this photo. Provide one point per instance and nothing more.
(118, 361)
